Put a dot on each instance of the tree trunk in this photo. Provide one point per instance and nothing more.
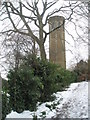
(41, 44)
(42, 52)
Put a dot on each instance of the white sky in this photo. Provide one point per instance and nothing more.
(80, 50)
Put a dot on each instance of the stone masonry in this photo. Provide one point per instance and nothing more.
(57, 41)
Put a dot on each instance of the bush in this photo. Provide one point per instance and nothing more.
(63, 78)
(35, 80)
(6, 109)
(23, 89)
(46, 72)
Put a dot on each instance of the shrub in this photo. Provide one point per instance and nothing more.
(46, 72)
(64, 78)
(23, 89)
(6, 109)
(35, 80)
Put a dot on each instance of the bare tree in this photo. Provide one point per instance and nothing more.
(79, 23)
(15, 47)
(31, 18)
(21, 21)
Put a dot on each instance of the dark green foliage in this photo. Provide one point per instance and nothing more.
(43, 114)
(52, 106)
(35, 80)
(45, 71)
(81, 70)
(62, 78)
(6, 109)
(23, 89)
(35, 117)
(5, 86)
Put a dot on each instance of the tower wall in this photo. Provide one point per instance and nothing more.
(57, 41)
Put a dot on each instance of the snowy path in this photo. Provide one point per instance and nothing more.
(76, 104)
(72, 103)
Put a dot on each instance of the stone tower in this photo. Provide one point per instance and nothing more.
(57, 41)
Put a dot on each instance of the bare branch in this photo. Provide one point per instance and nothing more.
(10, 16)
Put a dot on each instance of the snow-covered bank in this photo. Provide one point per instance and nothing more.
(72, 103)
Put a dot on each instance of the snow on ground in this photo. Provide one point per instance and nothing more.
(71, 103)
